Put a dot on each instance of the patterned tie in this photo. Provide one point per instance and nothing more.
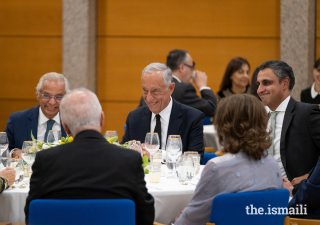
(272, 134)
(157, 129)
(49, 127)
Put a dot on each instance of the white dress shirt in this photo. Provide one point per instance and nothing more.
(203, 88)
(279, 121)
(164, 119)
(313, 91)
(42, 125)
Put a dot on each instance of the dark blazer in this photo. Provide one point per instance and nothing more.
(308, 195)
(184, 121)
(300, 138)
(91, 168)
(186, 94)
(306, 97)
(20, 125)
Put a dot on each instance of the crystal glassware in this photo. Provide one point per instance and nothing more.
(152, 143)
(17, 165)
(154, 172)
(184, 168)
(135, 145)
(196, 160)
(110, 134)
(29, 152)
(54, 136)
(3, 142)
(173, 151)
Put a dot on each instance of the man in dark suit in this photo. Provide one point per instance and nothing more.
(40, 119)
(182, 66)
(307, 195)
(89, 167)
(174, 118)
(296, 142)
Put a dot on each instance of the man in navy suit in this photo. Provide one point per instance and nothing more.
(40, 119)
(162, 110)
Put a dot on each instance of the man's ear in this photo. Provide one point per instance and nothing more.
(181, 67)
(171, 87)
(66, 128)
(286, 82)
(102, 119)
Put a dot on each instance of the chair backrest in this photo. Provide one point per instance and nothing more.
(207, 156)
(82, 211)
(250, 208)
(206, 121)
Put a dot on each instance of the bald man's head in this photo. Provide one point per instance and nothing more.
(81, 110)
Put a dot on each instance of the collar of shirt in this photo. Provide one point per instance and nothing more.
(313, 91)
(43, 119)
(165, 113)
(282, 107)
(176, 78)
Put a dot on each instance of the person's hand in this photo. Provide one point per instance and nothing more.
(201, 79)
(17, 154)
(145, 151)
(179, 214)
(9, 174)
(287, 185)
(297, 180)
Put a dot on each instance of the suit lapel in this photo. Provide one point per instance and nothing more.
(32, 123)
(145, 123)
(175, 119)
(286, 122)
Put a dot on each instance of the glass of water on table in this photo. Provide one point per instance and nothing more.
(17, 165)
(3, 146)
(152, 144)
(29, 153)
(173, 151)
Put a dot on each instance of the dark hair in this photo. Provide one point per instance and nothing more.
(234, 65)
(241, 122)
(317, 64)
(175, 58)
(281, 70)
(254, 87)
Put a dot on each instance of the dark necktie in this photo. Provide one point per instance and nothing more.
(49, 127)
(157, 129)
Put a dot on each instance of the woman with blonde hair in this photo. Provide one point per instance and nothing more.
(241, 122)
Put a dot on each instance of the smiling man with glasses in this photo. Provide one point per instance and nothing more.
(182, 66)
(40, 119)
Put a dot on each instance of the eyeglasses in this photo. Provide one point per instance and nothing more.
(47, 96)
(191, 67)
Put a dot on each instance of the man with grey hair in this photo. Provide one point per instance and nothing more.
(89, 167)
(182, 66)
(163, 114)
(294, 125)
(40, 119)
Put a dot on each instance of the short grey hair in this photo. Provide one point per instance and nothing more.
(52, 76)
(80, 107)
(153, 67)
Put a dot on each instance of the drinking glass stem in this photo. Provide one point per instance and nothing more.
(151, 157)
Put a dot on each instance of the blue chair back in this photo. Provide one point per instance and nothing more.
(207, 156)
(206, 121)
(230, 209)
(82, 212)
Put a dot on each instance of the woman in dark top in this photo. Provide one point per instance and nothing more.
(235, 79)
(312, 94)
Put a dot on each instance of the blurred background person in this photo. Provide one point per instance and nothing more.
(235, 79)
(312, 94)
(241, 121)
(253, 86)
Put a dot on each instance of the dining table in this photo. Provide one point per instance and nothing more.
(169, 195)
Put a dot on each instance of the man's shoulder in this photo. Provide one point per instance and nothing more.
(24, 113)
(185, 109)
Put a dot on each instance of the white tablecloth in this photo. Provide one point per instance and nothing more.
(170, 196)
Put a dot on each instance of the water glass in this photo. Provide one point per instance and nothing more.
(184, 169)
(5, 157)
(29, 151)
(110, 134)
(173, 151)
(135, 145)
(152, 143)
(3, 142)
(54, 136)
(154, 172)
(17, 165)
(196, 160)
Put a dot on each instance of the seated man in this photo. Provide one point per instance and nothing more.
(164, 112)
(89, 167)
(306, 195)
(7, 178)
(182, 67)
(40, 119)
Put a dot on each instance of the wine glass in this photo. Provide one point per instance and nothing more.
(196, 160)
(17, 165)
(110, 134)
(185, 168)
(54, 136)
(173, 151)
(5, 157)
(3, 142)
(135, 145)
(152, 143)
(29, 152)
